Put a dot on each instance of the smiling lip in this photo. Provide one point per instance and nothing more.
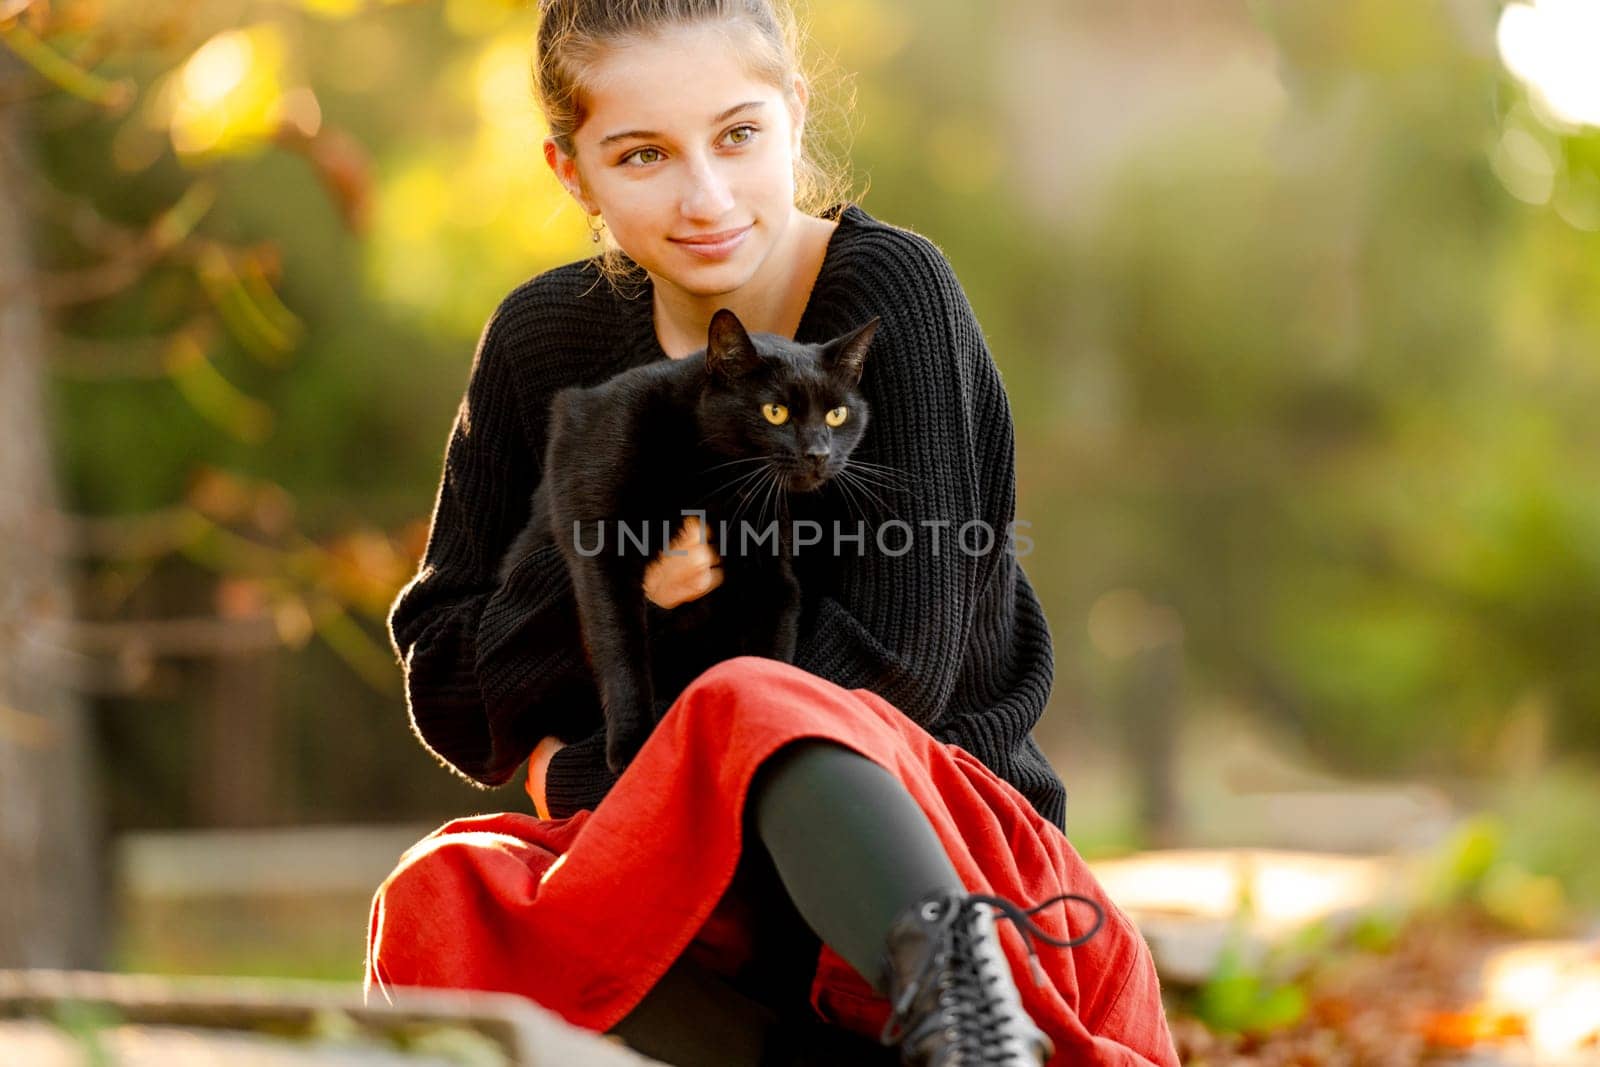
(714, 245)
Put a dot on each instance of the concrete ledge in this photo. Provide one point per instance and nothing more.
(281, 1022)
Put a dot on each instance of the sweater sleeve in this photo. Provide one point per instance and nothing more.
(900, 623)
(487, 666)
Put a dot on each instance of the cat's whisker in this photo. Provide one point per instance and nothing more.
(852, 503)
(737, 480)
(784, 513)
(762, 492)
(745, 495)
(886, 475)
(853, 497)
(857, 461)
(844, 497)
(774, 494)
(735, 484)
(872, 478)
(766, 494)
(881, 469)
(749, 493)
(736, 462)
(853, 477)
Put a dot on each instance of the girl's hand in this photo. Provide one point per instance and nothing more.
(538, 767)
(670, 580)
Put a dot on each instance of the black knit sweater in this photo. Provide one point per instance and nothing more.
(955, 639)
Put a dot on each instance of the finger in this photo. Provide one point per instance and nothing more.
(704, 534)
(692, 531)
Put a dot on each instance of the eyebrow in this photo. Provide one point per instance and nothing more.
(728, 114)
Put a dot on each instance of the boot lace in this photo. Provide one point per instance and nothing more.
(969, 1009)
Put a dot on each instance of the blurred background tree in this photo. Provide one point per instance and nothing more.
(50, 913)
(1294, 303)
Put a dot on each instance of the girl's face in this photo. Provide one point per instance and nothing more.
(681, 144)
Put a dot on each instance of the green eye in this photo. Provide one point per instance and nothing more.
(837, 416)
(776, 414)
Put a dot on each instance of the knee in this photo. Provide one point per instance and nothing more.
(722, 688)
(738, 669)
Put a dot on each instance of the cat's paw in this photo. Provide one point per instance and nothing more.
(785, 641)
(624, 744)
(785, 637)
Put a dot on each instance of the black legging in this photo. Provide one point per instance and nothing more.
(846, 849)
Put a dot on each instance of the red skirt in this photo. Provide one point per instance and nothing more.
(584, 914)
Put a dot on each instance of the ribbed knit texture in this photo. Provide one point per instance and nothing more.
(955, 639)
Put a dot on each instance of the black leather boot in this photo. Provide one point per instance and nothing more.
(953, 1000)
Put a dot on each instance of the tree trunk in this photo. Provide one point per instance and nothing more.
(234, 772)
(50, 838)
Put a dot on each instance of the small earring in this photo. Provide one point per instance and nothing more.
(595, 228)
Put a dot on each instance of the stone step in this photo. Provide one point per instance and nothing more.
(49, 1017)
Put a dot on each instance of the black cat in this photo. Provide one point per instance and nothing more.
(726, 431)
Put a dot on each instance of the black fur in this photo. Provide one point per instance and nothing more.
(627, 459)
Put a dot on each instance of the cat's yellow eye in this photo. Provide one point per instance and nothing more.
(837, 416)
(776, 414)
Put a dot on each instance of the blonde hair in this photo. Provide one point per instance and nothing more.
(573, 33)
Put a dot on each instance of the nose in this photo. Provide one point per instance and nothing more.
(817, 456)
(707, 196)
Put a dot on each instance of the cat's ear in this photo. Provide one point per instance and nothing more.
(729, 351)
(847, 355)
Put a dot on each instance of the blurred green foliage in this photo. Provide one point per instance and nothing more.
(1352, 444)
(1239, 999)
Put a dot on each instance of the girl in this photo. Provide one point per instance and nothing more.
(892, 799)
